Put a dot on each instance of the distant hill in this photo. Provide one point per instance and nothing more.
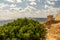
(2, 22)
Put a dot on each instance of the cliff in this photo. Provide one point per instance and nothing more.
(57, 17)
(53, 32)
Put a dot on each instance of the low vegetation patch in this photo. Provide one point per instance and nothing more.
(22, 29)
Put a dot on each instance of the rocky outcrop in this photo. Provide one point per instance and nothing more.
(57, 17)
(53, 32)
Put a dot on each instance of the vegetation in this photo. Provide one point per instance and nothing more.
(22, 29)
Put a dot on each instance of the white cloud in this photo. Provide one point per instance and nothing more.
(32, 0)
(33, 3)
(12, 5)
(10, 0)
(50, 2)
(53, 0)
(46, 6)
(29, 11)
(2, 5)
(8, 15)
(17, 1)
(51, 10)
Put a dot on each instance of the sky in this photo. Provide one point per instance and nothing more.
(12, 9)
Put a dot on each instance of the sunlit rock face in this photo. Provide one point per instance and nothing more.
(58, 17)
(54, 32)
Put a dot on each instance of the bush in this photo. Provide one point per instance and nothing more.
(22, 29)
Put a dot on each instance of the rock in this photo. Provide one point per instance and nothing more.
(57, 17)
(54, 32)
(53, 27)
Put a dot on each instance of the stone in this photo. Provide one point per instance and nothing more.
(53, 33)
(58, 17)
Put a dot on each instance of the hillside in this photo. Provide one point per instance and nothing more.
(57, 17)
(54, 32)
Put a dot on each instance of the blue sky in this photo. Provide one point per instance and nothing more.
(9, 9)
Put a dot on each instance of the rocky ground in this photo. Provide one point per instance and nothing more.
(54, 32)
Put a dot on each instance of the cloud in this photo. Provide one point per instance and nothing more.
(2, 5)
(46, 6)
(53, 0)
(50, 2)
(12, 5)
(8, 15)
(7, 6)
(17, 1)
(32, 0)
(33, 3)
(16, 9)
(29, 11)
(51, 10)
(10, 0)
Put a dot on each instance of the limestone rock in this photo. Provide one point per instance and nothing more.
(58, 17)
(54, 32)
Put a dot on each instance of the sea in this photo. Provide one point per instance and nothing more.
(2, 22)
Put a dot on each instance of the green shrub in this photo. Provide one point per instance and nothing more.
(22, 29)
